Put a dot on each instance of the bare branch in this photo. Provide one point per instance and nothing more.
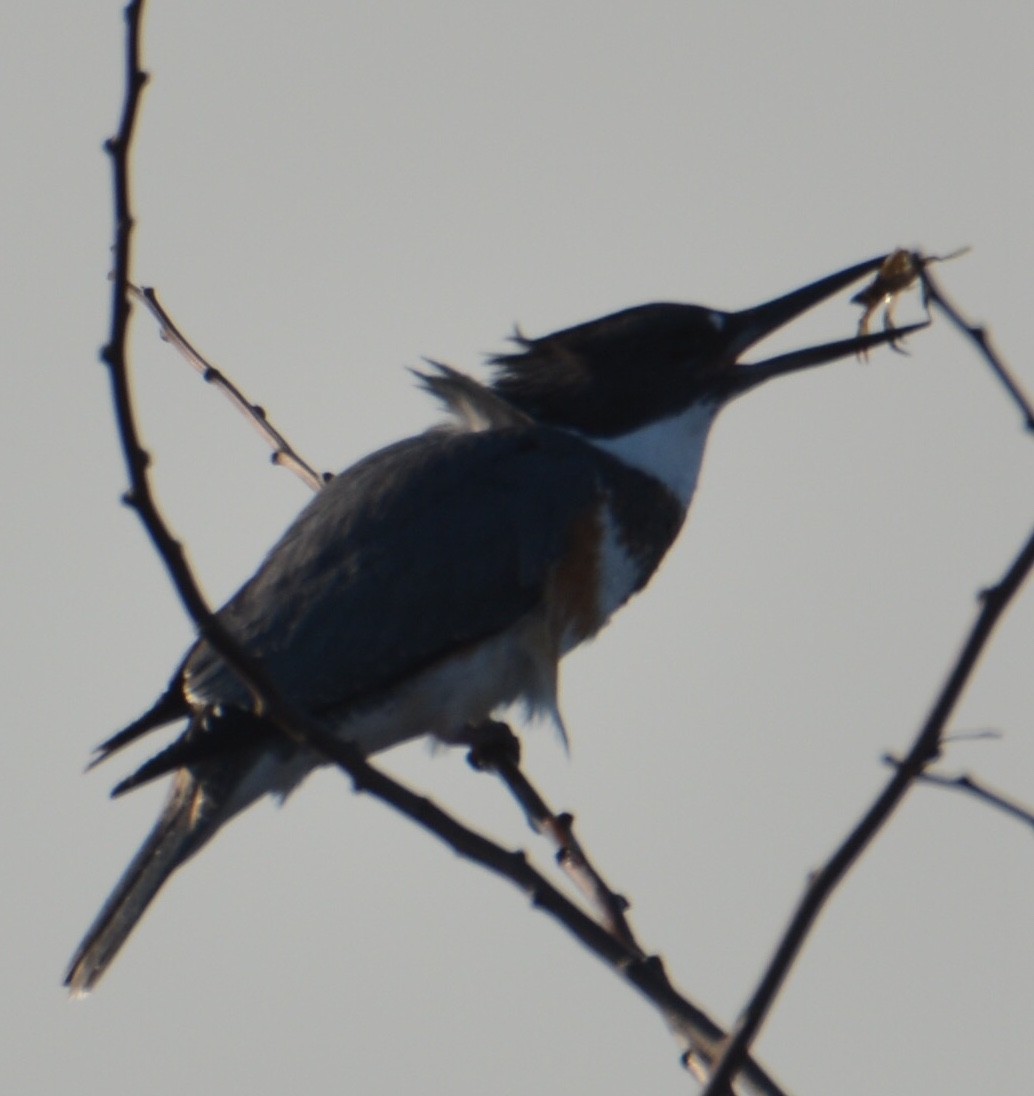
(284, 454)
(964, 782)
(500, 754)
(925, 749)
(933, 294)
(117, 147)
(701, 1034)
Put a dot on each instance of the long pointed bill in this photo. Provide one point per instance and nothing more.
(826, 352)
(753, 324)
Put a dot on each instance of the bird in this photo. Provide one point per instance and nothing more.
(442, 578)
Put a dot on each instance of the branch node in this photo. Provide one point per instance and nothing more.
(651, 965)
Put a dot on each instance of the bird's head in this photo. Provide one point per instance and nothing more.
(612, 376)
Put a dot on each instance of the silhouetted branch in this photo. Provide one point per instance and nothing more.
(500, 755)
(284, 454)
(934, 295)
(964, 782)
(925, 749)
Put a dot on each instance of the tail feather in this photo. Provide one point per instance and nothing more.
(208, 738)
(180, 830)
(222, 763)
(169, 707)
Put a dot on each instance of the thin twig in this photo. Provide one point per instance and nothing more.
(964, 782)
(933, 294)
(499, 753)
(284, 453)
(697, 1030)
(924, 750)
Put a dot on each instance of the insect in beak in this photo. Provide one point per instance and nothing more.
(899, 272)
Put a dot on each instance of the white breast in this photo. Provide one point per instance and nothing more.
(671, 450)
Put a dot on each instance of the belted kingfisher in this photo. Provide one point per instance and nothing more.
(444, 576)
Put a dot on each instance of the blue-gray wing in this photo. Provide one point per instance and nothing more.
(417, 551)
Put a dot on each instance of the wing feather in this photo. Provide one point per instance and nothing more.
(421, 549)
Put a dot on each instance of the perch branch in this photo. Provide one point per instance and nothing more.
(500, 754)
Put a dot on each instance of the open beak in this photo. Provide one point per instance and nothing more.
(753, 324)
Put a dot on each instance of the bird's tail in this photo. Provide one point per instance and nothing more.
(182, 828)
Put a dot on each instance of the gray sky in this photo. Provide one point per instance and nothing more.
(326, 192)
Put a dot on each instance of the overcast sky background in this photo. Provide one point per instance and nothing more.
(325, 192)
